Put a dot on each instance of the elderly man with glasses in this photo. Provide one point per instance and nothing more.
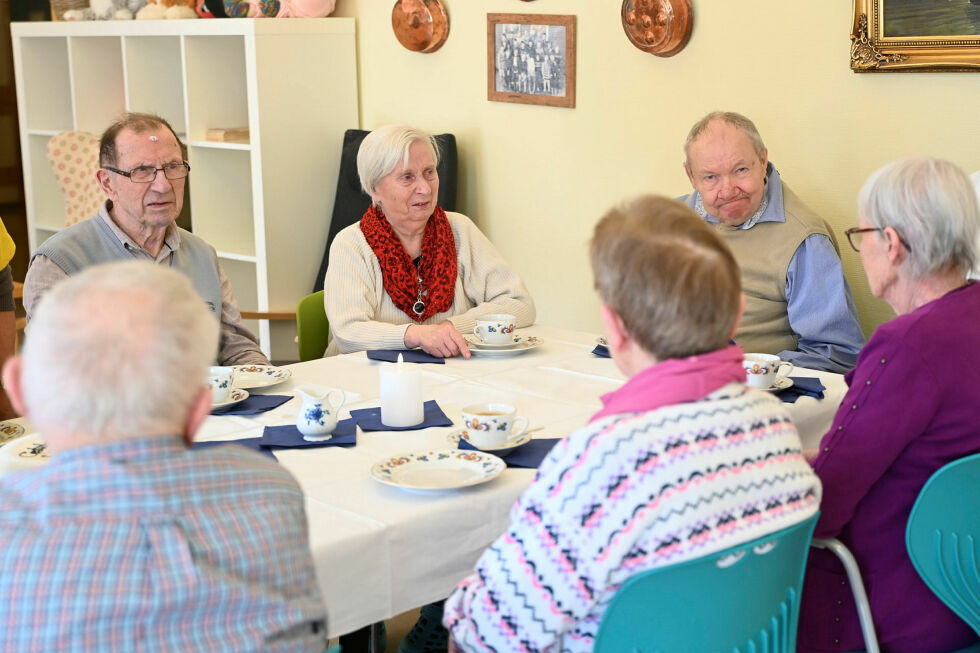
(143, 173)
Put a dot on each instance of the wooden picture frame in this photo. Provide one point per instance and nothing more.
(915, 36)
(531, 59)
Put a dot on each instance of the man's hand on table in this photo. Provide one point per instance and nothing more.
(437, 339)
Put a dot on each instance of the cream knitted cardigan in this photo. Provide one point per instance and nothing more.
(362, 315)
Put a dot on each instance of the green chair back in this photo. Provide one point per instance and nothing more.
(943, 536)
(746, 598)
(312, 328)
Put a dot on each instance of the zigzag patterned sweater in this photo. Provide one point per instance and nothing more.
(627, 493)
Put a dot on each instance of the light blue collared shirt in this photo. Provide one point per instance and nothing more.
(819, 302)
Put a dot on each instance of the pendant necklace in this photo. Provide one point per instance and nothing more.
(419, 306)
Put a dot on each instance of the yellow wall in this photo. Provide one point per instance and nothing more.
(537, 178)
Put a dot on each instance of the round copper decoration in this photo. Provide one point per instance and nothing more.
(420, 25)
(660, 27)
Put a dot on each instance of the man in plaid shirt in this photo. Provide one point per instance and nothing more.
(128, 540)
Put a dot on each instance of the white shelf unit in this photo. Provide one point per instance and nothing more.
(264, 205)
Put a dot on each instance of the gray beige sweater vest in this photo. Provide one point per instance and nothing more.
(764, 252)
(91, 242)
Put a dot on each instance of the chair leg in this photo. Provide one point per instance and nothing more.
(857, 587)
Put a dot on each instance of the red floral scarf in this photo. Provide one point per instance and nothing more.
(401, 279)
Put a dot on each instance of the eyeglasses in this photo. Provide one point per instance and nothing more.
(146, 174)
(856, 234)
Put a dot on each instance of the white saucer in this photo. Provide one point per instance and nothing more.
(236, 396)
(259, 376)
(781, 383)
(523, 344)
(473, 341)
(502, 450)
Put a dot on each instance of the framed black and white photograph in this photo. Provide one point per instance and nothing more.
(531, 59)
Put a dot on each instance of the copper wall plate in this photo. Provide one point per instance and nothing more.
(420, 25)
(660, 27)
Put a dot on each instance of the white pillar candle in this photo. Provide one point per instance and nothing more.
(401, 395)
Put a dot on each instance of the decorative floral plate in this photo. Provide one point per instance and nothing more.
(259, 376)
(439, 469)
(236, 396)
(502, 450)
(9, 431)
(526, 343)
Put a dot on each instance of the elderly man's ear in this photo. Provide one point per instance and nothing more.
(198, 412)
(11, 383)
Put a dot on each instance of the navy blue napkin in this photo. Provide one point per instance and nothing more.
(288, 436)
(255, 404)
(803, 386)
(408, 355)
(601, 350)
(527, 456)
(255, 444)
(369, 419)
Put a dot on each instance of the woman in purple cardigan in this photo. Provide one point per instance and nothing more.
(913, 406)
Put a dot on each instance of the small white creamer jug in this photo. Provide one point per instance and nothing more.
(317, 417)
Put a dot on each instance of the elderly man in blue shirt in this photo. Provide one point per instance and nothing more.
(798, 302)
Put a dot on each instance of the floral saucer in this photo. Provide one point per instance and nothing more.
(474, 341)
(9, 431)
(236, 396)
(259, 376)
(781, 383)
(521, 344)
(502, 450)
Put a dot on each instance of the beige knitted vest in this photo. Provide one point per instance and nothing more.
(763, 253)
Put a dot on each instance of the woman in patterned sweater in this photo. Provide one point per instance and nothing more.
(684, 460)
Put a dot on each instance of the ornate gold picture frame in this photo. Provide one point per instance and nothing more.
(531, 59)
(915, 36)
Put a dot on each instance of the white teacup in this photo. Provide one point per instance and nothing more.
(762, 370)
(219, 379)
(495, 329)
(489, 425)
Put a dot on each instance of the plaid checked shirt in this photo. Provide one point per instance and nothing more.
(146, 545)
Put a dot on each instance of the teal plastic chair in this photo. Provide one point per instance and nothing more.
(746, 598)
(943, 537)
(312, 328)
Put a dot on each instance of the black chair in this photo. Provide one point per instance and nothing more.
(351, 202)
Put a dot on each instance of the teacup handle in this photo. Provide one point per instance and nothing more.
(477, 332)
(780, 366)
(343, 399)
(523, 428)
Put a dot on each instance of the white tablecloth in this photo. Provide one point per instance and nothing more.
(381, 550)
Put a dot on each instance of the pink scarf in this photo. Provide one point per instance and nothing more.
(675, 381)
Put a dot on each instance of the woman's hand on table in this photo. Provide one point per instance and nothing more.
(811, 455)
(437, 339)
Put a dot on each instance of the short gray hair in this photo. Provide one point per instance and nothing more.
(118, 351)
(384, 149)
(736, 120)
(932, 205)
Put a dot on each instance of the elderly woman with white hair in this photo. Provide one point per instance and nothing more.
(409, 274)
(911, 408)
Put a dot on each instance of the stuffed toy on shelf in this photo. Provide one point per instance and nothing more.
(159, 9)
(106, 10)
(279, 8)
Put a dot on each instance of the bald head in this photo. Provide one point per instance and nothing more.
(117, 351)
